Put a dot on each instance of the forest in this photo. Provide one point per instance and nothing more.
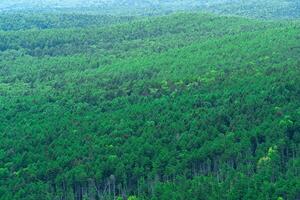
(191, 104)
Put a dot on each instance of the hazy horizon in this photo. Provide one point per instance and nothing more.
(53, 4)
(268, 9)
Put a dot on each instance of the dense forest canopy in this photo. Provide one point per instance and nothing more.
(112, 105)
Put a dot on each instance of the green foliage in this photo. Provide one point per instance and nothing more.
(184, 106)
(12, 21)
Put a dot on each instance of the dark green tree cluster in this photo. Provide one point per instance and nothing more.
(13, 21)
(185, 106)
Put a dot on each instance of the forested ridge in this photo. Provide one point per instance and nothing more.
(28, 20)
(183, 106)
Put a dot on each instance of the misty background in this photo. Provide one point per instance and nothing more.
(250, 8)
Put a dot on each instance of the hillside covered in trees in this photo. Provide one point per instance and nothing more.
(179, 106)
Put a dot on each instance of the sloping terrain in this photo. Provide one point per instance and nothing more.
(173, 107)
